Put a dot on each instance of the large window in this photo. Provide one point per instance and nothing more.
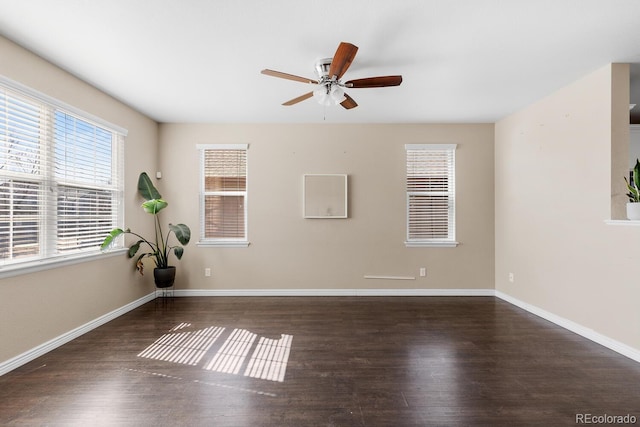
(223, 195)
(60, 179)
(430, 195)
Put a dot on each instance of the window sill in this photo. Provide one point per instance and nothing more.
(223, 244)
(434, 244)
(47, 264)
(623, 222)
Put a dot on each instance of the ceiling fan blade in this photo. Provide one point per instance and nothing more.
(349, 103)
(342, 59)
(383, 81)
(298, 99)
(281, 75)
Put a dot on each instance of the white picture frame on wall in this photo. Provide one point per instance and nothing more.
(324, 196)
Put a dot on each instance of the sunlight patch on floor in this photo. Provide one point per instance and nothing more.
(183, 347)
(269, 360)
(230, 357)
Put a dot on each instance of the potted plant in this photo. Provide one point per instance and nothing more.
(633, 206)
(158, 248)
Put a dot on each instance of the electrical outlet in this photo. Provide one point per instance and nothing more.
(423, 271)
(207, 272)
(511, 277)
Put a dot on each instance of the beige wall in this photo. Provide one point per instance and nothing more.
(37, 307)
(289, 252)
(553, 186)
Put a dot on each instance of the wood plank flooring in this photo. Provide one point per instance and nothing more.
(361, 361)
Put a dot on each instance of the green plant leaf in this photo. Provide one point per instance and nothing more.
(182, 232)
(154, 206)
(146, 188)
(636, 175)
(178, 251)
(633, 194)
(133, 249)
(110, 238)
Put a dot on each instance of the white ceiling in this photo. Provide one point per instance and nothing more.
(200, 60)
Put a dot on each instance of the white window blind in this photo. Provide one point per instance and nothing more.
(60, 180)
(430, 194)
(223, 196)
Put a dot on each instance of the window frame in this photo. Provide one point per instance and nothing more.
(48, 237)
(450, 240)
(222, 241)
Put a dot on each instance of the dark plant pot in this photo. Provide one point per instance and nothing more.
(164, 277)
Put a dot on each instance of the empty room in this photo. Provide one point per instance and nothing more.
(365, 213)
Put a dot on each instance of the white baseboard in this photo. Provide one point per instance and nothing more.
(331, 292)
(42, 349)
(618, 347)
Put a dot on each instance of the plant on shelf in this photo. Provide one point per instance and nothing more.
(158, 248)
(633, 185)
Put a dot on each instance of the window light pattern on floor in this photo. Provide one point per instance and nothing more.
(230, 357)
(269, 360)
(183, 347)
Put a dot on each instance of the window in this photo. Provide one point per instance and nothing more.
(223, 195)
(430, 194)
(60, 179)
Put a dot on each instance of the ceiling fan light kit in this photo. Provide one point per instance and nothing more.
(329, 88)
(329, 94)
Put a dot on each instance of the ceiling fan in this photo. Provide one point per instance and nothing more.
(329, 90)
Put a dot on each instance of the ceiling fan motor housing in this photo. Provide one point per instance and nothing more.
(322, 67)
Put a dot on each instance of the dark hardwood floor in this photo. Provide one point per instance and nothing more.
(292, 361)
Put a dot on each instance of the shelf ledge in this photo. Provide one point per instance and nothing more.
(623, 222)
